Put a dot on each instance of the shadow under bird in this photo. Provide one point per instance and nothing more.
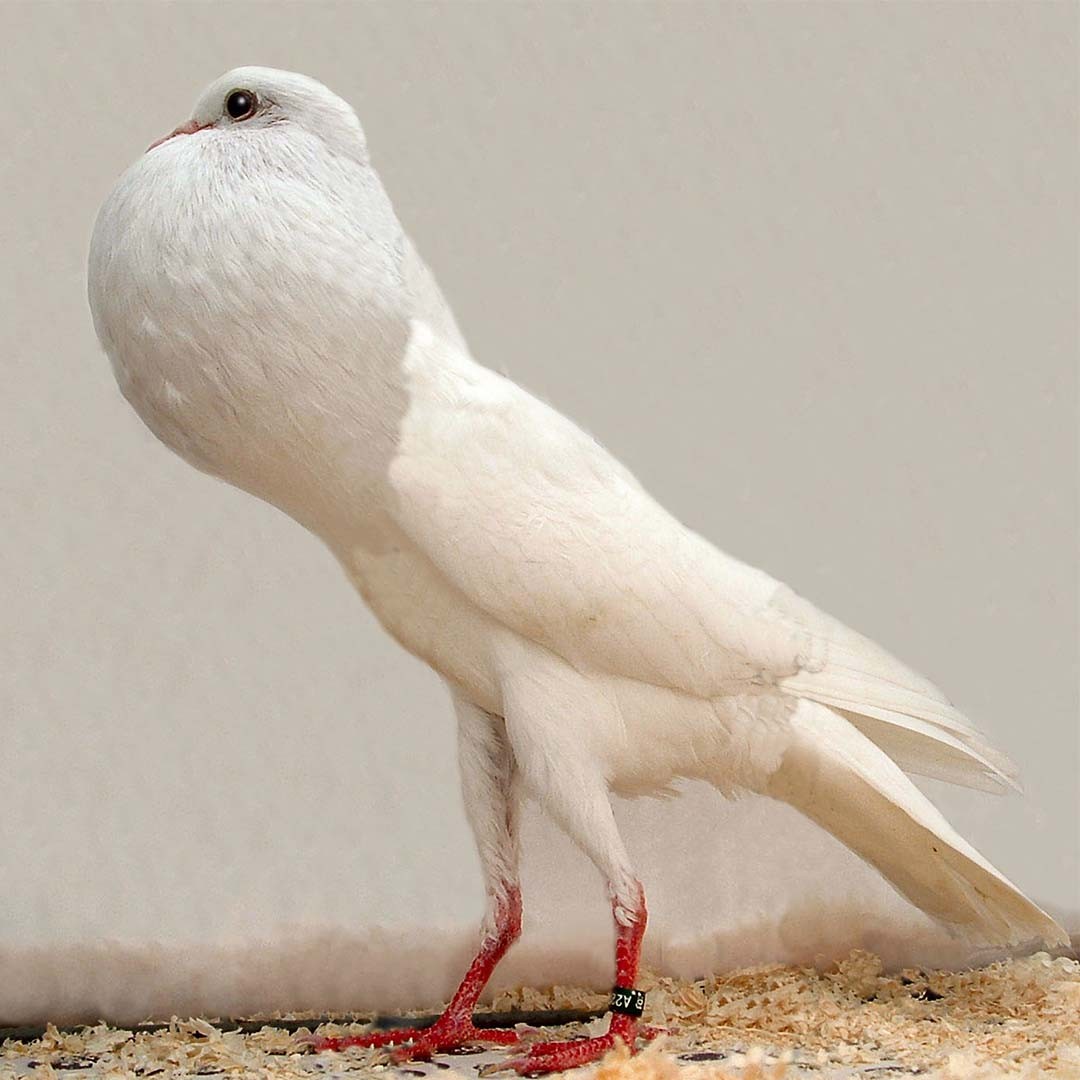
(270, 321)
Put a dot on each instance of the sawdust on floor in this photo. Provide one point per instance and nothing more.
(1017, 1018)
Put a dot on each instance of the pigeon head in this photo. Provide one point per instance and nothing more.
(251, 100)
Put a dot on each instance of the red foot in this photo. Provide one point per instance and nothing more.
(455, 1027)
(546, 1057)
(434, 1041)
(423, 1042)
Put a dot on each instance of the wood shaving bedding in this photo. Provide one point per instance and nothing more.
(1019, 1018)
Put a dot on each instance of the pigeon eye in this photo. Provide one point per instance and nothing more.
(240, 104)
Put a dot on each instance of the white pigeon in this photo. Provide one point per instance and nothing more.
(269, 320)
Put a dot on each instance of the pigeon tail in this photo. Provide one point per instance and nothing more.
(842, 781)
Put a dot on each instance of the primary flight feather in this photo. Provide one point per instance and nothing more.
(269, 320)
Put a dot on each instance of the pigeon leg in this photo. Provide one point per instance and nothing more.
(575, 794)
(545, 1057)
(454, 1027)
(491, 800)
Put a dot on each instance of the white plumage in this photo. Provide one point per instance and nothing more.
(270, 321)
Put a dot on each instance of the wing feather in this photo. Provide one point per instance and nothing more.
(894, 706)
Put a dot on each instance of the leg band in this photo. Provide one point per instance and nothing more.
(627, 1001)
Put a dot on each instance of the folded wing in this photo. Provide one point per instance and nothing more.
(542, 529)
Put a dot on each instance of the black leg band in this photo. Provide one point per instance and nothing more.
(627, 1000)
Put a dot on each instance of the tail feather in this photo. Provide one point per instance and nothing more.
(838, 778)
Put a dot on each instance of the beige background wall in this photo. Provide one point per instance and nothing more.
(810, 270)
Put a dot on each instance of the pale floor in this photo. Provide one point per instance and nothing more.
(1019, 1018)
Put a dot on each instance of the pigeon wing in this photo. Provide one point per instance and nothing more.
(541, 528)
(546, 532)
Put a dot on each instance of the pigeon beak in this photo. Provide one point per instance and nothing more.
(184, 129)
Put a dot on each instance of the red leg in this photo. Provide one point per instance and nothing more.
(546, 1057)
(455, 1026)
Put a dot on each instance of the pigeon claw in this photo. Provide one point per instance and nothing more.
(549, 1057)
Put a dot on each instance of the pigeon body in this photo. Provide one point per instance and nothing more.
(269, 320)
